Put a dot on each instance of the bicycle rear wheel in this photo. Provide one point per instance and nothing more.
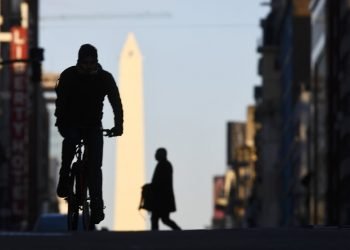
(73, 203)
(73, 213)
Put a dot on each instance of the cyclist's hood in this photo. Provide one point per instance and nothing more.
(87, 50)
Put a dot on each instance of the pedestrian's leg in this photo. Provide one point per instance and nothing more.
(170, 223)
(94, 143)
(154, 221)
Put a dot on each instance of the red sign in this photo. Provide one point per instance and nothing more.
(19, 113)
(19, 43)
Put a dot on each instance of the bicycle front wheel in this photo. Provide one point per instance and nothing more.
(87, 217)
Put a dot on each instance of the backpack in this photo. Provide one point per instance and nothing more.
(146, 197)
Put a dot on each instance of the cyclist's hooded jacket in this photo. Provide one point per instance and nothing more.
(80, 98)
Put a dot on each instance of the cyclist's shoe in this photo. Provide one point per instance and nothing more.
(63, 186)
(97, 214)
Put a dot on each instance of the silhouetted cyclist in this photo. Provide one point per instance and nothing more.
(163, 193)
(81, 90)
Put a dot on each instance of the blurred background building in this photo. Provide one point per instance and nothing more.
(24, 125)
(233, 191)
(302, 120)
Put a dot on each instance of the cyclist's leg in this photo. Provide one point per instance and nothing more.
(72, 137)
(94, 142)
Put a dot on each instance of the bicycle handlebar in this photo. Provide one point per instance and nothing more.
(109, 133)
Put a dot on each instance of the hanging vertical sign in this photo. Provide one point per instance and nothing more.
(19, 132)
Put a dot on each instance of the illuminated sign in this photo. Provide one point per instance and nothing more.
(19, 47)
(19, 123)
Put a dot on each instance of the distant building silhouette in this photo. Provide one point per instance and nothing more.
(233, 190)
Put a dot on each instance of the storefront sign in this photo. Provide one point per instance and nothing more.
(19, 112)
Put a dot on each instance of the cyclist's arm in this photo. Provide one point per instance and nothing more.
(115, 101)
(61, 100)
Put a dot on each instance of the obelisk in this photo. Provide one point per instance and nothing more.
(130, 168)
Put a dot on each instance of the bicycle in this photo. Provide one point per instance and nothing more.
(78, 199)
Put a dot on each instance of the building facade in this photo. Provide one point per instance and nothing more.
(268, 119)
(294, 63)
(304, 69)
(281, 112)
(331, 95)
(23, 118)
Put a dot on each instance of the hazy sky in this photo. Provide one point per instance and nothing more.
(200, 66)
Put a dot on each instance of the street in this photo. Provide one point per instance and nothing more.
(279, 239)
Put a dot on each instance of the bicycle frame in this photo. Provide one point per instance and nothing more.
(78, 199)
